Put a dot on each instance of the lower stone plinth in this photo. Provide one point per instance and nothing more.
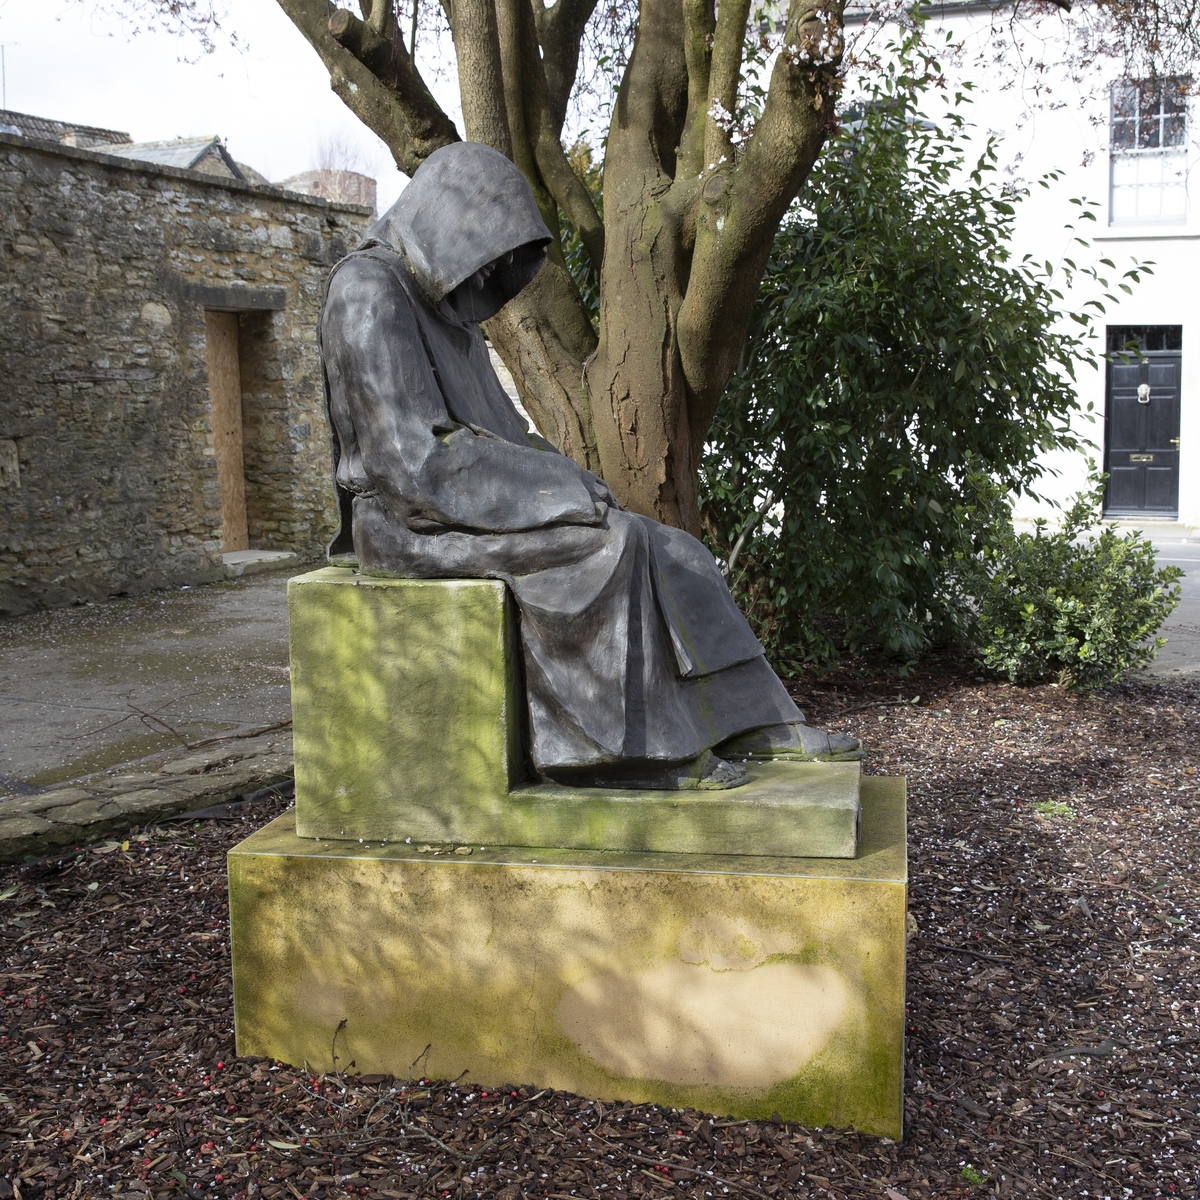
(737, 985)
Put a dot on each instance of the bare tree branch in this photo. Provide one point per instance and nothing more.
(380, 15)
(398, 107)
(726, 70)
(480, 75)
(743, 204)
(384, 55)
(519, 46)
(699, 21)
(509, 14)
(651, 101)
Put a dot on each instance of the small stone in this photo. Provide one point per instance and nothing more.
(464, 850)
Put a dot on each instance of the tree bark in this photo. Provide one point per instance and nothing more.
(689, 210)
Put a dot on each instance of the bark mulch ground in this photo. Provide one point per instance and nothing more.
(1053, 988)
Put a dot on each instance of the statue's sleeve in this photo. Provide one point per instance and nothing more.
(429, 470)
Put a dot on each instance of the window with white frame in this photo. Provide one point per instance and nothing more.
(1148, 152)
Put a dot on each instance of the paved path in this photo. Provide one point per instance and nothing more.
(84, 689)
(1180, 657)
(123, 713)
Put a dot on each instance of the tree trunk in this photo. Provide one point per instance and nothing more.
(688, 220)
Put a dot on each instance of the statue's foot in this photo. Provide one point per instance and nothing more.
(795, 742)
(717, 774)
(705, 773)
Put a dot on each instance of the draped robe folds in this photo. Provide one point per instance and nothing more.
(633, 648)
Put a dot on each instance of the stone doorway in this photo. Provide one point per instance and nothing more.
(225, 394)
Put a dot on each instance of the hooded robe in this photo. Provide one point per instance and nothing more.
(633, 648)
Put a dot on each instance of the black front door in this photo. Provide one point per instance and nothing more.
(1141, 420)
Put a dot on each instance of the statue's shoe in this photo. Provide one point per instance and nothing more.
(717, 774)
(794, 742)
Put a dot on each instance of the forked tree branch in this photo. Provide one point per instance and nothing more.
(385, 56)
(480, 74)
(396, 105)
(380, 15)
(651, 105)
(699, 21)
(743, 203)
(529, 106)
(560, 34)
(796, 117)
(510, 16)
(728, 40)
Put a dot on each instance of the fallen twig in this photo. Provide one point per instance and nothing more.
(996, 958)
(233, 737)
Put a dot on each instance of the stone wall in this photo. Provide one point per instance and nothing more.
(108, 480)
(344, 187)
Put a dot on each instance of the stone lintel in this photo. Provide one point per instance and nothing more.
(236, 299)
(743, 986)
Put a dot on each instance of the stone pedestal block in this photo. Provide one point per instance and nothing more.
(405, 702)
(738, 985)
(407, 713)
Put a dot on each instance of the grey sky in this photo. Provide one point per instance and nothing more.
(270, 100)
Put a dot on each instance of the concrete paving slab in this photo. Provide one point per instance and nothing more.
(90, 689)
(1179, 659)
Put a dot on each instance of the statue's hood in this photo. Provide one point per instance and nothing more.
(465, 206)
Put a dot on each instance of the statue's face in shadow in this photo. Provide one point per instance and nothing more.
(485, 292)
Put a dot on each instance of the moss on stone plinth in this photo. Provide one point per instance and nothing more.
(404, 695)
(407, 720)
(739, 985)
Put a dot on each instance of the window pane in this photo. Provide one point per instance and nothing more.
(1120, 337)
(1175, 97)
(1132, 340)
(1148, 185)
(1124, 115)
(1148, 138)
(1124, 134)
(1149, 111)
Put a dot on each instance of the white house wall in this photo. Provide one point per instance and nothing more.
(1052, 121)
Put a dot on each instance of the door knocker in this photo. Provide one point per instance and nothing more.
(1143, 393)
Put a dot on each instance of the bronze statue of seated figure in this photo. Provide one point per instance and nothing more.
(639, 670)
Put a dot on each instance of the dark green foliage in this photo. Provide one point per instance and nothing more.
(583, 271)
(902, 377)
(1072, 606)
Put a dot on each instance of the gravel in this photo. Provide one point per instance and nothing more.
(1052, 1023)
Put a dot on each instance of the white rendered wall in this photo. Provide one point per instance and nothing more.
(1057, 120)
